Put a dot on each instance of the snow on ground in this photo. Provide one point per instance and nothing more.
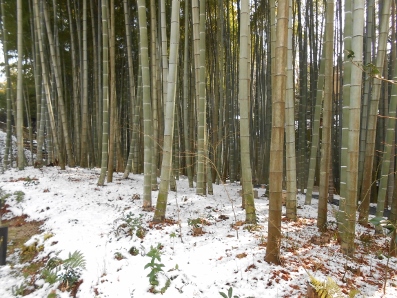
(85, 217)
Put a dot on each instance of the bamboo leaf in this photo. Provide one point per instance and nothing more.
(376, 221)
(350, 54)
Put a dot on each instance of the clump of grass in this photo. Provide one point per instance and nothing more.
(50, 276)
(47, 236)
(3, 196)
(19, 290)
(29, 252)
(19, 196)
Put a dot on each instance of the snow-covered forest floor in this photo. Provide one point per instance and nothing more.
(52, 214)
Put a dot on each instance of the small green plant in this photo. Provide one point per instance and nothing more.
(329, 288)
(131, 223)
(19, 290)
(326, 289)
(54, 262)
(134, 251)
(118, 256)
(392, 231)
(72, 268)
(19, 196)
(140, 233)
(30, 181)
(173, 235)
(155, 269)
(229, 294)
(66, 271)
(385, 224)
(75, 260)
(195, 223)
(209, 216)
(69, 277)
(155, 254)
(50, 276)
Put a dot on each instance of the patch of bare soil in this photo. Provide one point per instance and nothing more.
(20, 230)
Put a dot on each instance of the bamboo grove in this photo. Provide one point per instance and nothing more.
(288, 94)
